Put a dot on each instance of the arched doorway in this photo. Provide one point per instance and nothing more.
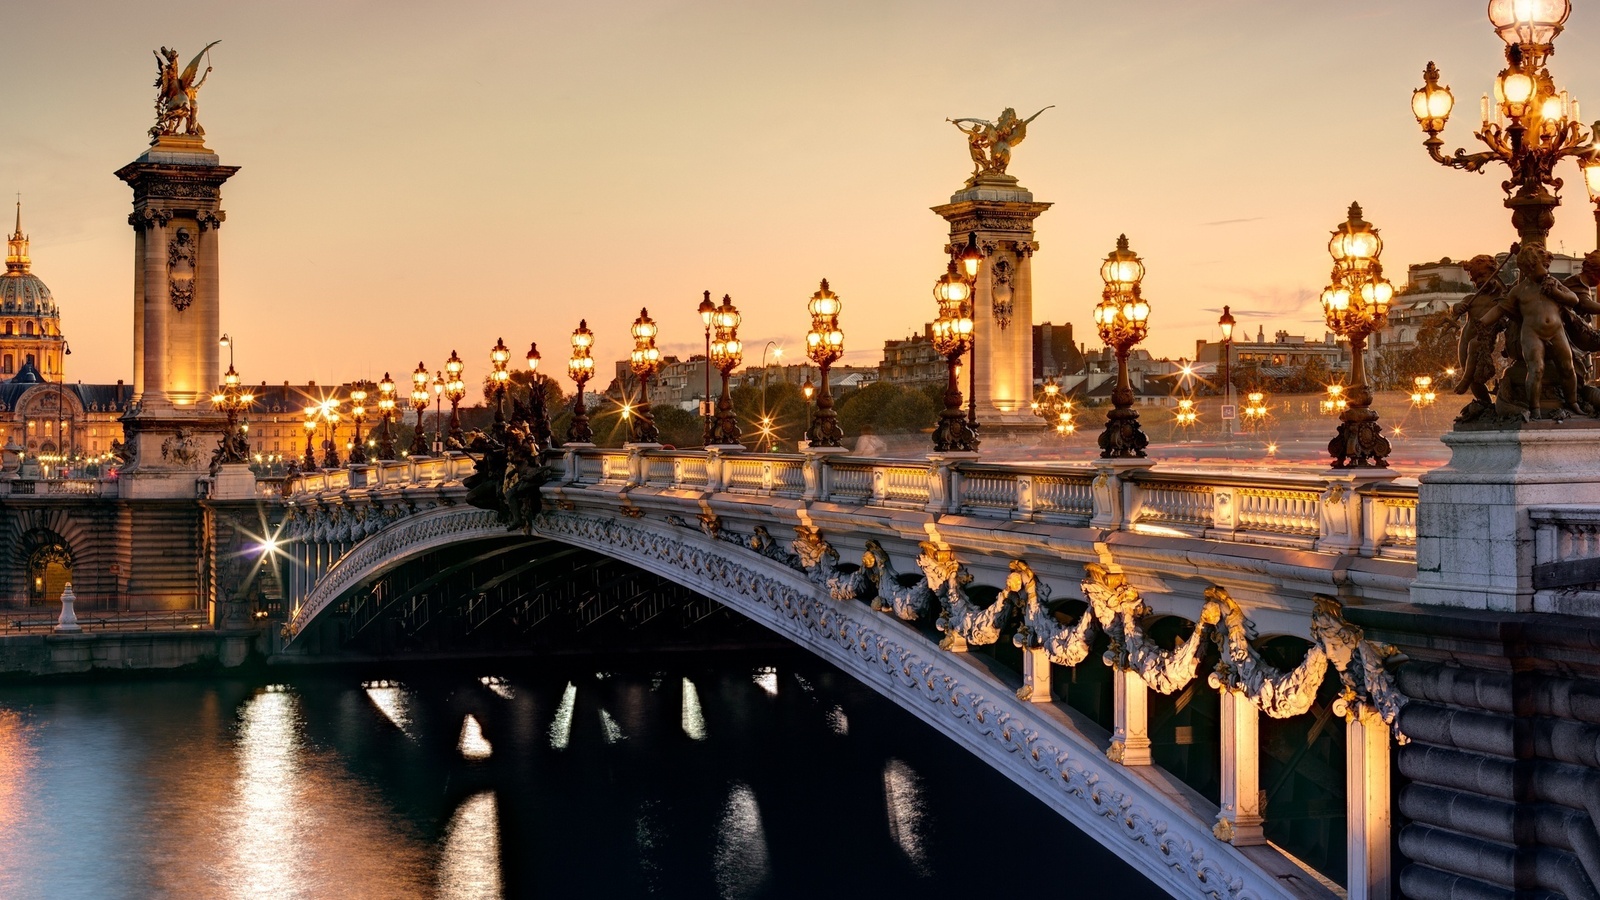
(48, 567)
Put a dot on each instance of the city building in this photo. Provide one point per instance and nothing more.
(1285, 356)
(1054, 352)
(912, 361)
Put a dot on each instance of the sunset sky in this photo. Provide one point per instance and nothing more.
(420, 177)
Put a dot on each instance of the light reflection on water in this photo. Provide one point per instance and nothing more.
(191, 788)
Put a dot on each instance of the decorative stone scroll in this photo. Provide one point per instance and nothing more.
(1279, 694)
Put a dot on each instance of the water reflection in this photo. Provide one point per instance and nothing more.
(473, 745)
(694, 721)
(390, 699)
(469, 863)
(767, 679)
(561, 727)
(838, 721)
(741, 858)
(610, 728)
(902, 795)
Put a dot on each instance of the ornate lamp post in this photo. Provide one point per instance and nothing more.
(454, 390)
(580, 368)
(1122, 317)
(825, 345)
(1355, 305)
(358, 414)
(232, 399)
(952, 336)
(708, 311)
(725, 354)
(499, 377)
(419, 404)
(386, 407)
(538, 414)
(968, 261)
(646, 362)
(1531, 124)
(1335, 403)
(311, 429)
(330, 419)
(1422, 393)
(438, 413)
(1055, 408)
(1226, 323)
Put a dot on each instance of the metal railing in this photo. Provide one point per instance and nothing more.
(35, 620)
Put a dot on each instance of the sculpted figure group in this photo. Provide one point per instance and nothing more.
(1544, 326)
(990, 143)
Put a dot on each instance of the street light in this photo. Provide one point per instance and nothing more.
(1355, 305)
(1530, 125)
(1122, 318)
(439, 386)
(538, 414)
(311, 429)
(386, 407)
(952, 336)
(708, 310)
(1422, 393)
(646, 362)
(330, 418)
(968, 261)
(358, 414)
(726, 352)
(580, 368)
(1055, 408)
(1226, 323)
(499, 376)
(825, 345)
(232, 398)
(454, 390)
(419, 403)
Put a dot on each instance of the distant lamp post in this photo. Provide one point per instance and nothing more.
(499, 377)
(825, 345)
(1422, 393)
(232, 398)
(725, 354)
(311, 429)
(808, 391)
(330, 421)
(1122, 318)
(646, 363)
(1226, 323)
(1355, 305)
(1186, 415)
(580, 368)
(419, 403)
(1055, 408)
(1255, 409)
(538, 413)
(386, 411)
(952, 337)
(358, 414)
(439, 386)
(708, 310)
(454, 390)
(1335, 402)
(1530, 125)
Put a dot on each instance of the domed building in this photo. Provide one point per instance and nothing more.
(53, 422)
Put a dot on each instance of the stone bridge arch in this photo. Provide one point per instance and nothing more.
(1037, 746)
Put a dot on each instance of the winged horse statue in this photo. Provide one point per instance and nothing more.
(177, 107)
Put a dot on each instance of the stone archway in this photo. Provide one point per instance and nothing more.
(47, 566)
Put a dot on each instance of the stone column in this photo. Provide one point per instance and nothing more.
(1367, 806)
(155, 306)
(1239, 819)
(1130, 739)
(1036, 674)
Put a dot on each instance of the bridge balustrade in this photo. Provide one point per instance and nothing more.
(59, 487)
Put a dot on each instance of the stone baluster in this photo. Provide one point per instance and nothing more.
(766, 477)
(1367, 801)
(1025, 499)
(715, 481)
(1239, 819)
(1130, 738)
(880, 485)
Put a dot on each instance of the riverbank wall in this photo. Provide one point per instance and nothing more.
(25, 655)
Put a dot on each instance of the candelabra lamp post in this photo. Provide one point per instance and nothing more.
(708, 311)
(952, 337)
(232, 398)
(1055, 408)
(386, 408)
(1355, 305)
(1531, 124)
(330, 421)
(580, 368)
(646, 363)
(311, 429)
(358, 414)
(454, 390)
(1122, 318)
(725, 354)
(538, 414)
(968, 261)
(499, 377)
(825, 345)
(419, 404)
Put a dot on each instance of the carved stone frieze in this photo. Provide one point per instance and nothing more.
(180, 268)
(147, 217)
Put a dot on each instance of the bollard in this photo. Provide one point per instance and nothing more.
(68, 623)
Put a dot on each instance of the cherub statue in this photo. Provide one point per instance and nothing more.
(1538, 299)
(1475, 352)
(990, 143)
(177, 104)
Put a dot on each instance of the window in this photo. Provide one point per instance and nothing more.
(27, 327)
(9, 366)
(11, 328)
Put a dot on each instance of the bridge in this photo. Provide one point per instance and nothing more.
(1134, 645)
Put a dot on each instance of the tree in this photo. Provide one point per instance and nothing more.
(678, 427)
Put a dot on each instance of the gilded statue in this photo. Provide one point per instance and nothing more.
(177, 103)
(990, 143)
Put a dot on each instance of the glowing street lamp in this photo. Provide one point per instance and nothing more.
(952, 337)
(311, 429)
(1187, 415)
(824, 345)
(499, 378)
(419, 403)
(707, 311)
(232, 398)
(1422, 393)
(454, 390)
(1255, 410)
(580, 368)
(1355, 304)
(329, 412)
(1335, 402)
(646, 363)
(726, 353)
(1055, 408)
(358, 414)
(1122, 317)
(386, 410)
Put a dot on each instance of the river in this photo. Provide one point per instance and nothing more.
(722, 775)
